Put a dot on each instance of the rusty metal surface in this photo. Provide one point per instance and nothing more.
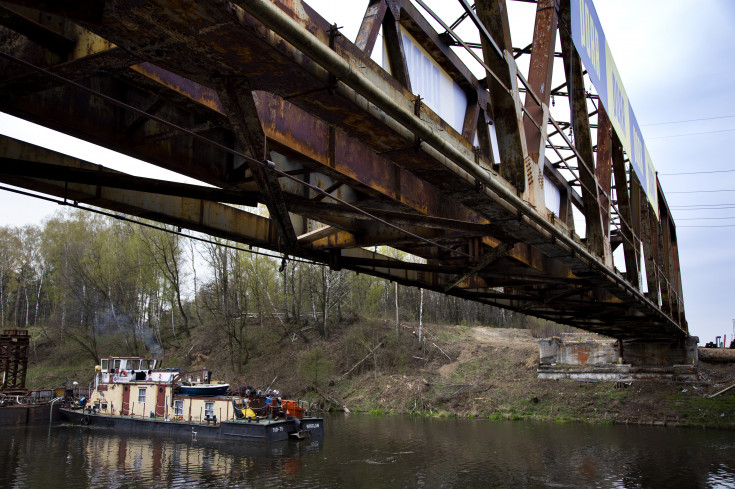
(603, 168)
(208, 90)
(539, 75)
(14, 346)
(582, 137)
(503, 92)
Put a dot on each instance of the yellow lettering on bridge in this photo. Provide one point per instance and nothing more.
(590, 36)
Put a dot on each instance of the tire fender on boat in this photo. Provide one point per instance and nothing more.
(85, 420)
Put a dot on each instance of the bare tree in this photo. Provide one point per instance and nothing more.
(165, 251)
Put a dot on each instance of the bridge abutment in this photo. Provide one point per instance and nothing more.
(588, 356)
(660, 353)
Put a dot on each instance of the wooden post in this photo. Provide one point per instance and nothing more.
(397, 331)
(421, 312)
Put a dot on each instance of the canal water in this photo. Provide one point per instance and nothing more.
(364, 451)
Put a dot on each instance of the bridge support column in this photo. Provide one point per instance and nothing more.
(660, 353)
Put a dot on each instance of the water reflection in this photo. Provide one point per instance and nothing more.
(31, 457)
(366, 451)
(177, 463)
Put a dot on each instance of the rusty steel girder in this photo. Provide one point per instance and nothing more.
(14, 344)
(353, 158)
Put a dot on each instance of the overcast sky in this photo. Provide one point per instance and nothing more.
(675, 62)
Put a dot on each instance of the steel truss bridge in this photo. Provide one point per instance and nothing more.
(268, 103)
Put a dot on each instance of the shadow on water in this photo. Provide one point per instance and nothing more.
(377, 451)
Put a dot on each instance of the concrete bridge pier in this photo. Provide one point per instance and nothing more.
(576, 356)
(659, 353)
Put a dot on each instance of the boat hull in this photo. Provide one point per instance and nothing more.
(263, 431)
(29, 414)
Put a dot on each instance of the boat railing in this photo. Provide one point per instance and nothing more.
(305, 405)
(38, 396)
(79, 392)
(42, 396)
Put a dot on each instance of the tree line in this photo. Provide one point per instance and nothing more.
(80, 277)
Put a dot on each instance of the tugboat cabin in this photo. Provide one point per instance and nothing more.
(136, 387)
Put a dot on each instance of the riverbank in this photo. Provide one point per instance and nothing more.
(473, 372)
(494, 376)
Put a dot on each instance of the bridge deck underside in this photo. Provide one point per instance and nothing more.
(217, 86)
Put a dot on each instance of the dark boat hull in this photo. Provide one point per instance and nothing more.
(29, 414)
(264, 431)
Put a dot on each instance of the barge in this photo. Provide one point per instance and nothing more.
(133, 395)
(18, 405)
(31, 408)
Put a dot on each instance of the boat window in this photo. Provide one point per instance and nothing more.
(178, 408)
(209, 409)
(141, 394)
(117, 364)
(145, 364)
(133, 364)
(103, 364)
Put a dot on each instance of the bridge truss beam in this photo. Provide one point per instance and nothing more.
(353, 158)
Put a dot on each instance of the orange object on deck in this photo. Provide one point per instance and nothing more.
(292, 409)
